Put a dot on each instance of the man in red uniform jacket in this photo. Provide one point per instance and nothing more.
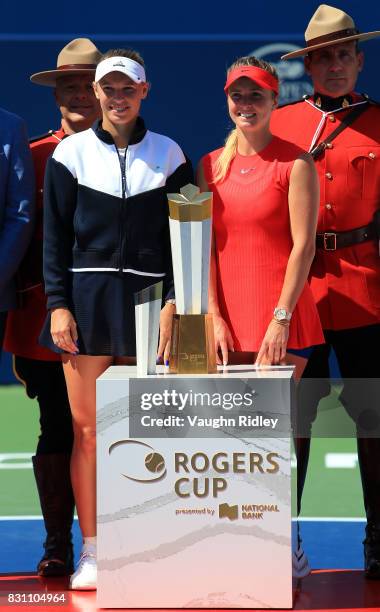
(38, 368)
(345, 275)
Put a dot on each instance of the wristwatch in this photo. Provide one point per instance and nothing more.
(170, 301)
(280, 314)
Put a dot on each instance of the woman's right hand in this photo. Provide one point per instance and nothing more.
(63, 330)
(223, 339)
(273, 346)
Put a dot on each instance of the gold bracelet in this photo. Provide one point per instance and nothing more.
(283, 323)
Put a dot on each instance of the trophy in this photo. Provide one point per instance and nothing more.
(147, 314)
(192, 346)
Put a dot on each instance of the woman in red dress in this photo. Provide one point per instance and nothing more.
(266, 197)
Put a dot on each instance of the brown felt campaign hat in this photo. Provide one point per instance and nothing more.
(329, 26)
(77, 57)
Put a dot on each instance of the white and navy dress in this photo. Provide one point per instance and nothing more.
(106, 231)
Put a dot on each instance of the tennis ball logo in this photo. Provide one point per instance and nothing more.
(141, 458)
(154, 462)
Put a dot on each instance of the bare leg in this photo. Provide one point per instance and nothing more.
(124, 361)
(81, 373)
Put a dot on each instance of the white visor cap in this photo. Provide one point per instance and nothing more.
(127, 66)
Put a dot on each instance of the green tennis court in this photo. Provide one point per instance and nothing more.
(332, 488)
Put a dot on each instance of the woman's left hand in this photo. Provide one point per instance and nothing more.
(273, 347)
(166, 320)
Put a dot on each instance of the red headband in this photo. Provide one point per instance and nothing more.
(258, 75)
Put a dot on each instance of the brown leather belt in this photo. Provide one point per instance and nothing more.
(331, 241)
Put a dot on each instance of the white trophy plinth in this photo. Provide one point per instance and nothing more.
(194, 491)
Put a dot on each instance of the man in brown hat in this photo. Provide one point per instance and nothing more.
(38, 368)
(341, 129)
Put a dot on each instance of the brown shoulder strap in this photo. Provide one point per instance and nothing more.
(350, 118)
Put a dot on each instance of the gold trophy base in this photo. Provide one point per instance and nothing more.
(192, 349)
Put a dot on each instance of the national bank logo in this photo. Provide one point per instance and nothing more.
(152, 462)
(294, 82)
(227, 511)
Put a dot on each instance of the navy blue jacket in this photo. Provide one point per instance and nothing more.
(16, 202)
(105, 212)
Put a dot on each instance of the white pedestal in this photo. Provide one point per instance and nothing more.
(191, 516)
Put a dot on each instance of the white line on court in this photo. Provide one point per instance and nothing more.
(341, 460)
(16, 461)
(332, 519)
(23, 461)
(333, 461)
(25, 517)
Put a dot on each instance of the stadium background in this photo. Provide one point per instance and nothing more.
(187, 48)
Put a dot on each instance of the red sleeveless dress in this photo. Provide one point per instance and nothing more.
(253, 242)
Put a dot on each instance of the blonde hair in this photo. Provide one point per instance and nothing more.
(129, 53)
(223, 162)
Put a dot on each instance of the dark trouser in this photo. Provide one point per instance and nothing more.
(357, 355)
(3, 320)
(45, 381)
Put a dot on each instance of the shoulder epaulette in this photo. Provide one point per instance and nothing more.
(41, 137)
(294, 101)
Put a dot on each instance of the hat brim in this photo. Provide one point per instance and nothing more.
(49, 77)
(260, 82)
(306, 50)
